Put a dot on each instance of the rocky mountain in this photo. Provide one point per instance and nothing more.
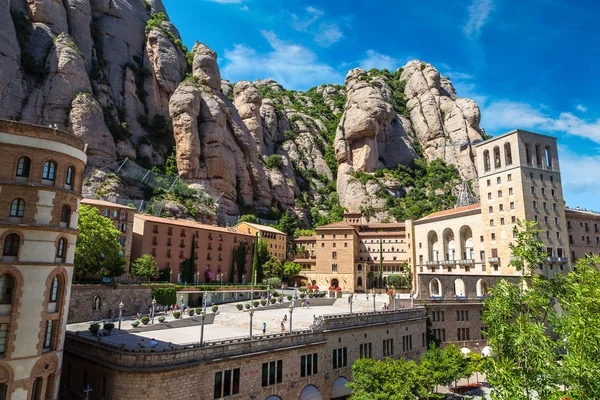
(116, 74)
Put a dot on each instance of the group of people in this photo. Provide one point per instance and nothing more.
(142, 343)
(282, 325)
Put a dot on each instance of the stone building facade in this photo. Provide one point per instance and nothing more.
(122, 217)
(171, 241)
(276, 240)
(41, 175)
(584, 233)
(315, 362)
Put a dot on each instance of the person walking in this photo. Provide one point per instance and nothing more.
(264, 328)
(307, 303)
(282, 327)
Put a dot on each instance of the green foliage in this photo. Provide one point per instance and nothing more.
(165, 296)
(98, 251)
(263, 303)
(287, 223)
(161, 319)
(214, 308)
(291, 269)
(273, 268)
(135, 324)
(191, 312)
(239, 307)
(304, 232)
(145, 266)
(403, 281)
(94, 328)
(387, 380)
(274, 282)
(274, 161)
(176, 314)
(259, 258)
(240, 252)
(443, 366)
(144, 320)
(156, 21)
(109, 326)
(248, 218)
(327, 213)
(392, 79)
(431, 184)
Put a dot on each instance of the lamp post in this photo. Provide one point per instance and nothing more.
(153, 309)
(121, 305)
(291, 312)
(204, 301)
(182, 304)
(412, 299)
(395, 299)
(251, 314)
(295, 290)
(202, 315)
(351, 300)
(373, 294)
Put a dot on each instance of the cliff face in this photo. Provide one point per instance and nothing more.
(115, 73)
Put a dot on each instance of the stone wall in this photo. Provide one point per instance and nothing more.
(82, 306)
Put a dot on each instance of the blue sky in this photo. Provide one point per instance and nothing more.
(530, 64)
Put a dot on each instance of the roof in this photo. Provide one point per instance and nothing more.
(262, 227)
(385, 225)
(453, 211)
(337, 225)
(487, 141)
(189, 224)
(582, 213)
(95, 202)
(305, 238)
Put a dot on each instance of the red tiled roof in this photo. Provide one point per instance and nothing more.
(189, 224)
(339, 225)
(453, 211)
(386, 225)
(95, 202)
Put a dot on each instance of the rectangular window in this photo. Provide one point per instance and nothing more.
(493, 236)
(334, 267)
(491, 222)
(544, 205)
(510, 191)
(227, 383)
(491, 209)
(489, 196)
(48, 335)
(554, 206)
(551, 178)
(501, 221)
(543, 191)
(388, 347)
(509, 177)
(272, 373)
(3, 337)
(513, 219)
(309, 364)
(334, 255)
(340, 357)
(534, 204)
(498, 180)
(366, 350)
(499, 193)
(541, 177)
(489, 182)
(501, 207)
(533, 190)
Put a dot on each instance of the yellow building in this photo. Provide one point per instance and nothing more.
(276, 240)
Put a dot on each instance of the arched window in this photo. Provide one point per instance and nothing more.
(466, 243)
(359, 267)
(459, 288)
(60, 249)
(548, 158)
(482, 288)
(49, 171)
(54, 289)
(538, 154)
(69, 176)
(435, 288)
(507, 154)
(11, 245)
(65, 215)
(7, 288)
(497, 163)
(486, 160)
(432, 246)
(17, 208)
(449, 244)
(23, 166)
(359, 281)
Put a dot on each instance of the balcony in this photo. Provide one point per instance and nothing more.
(155, 242)
(493, 259)
(465, 262)
(447, 262)
(557, 259)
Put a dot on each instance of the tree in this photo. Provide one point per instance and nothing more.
(259, 258)
(523, 361)
(240, 252)
(248, 218)
(387, 380)
(287, 223)
(455, 364)
(145, 266)
(291, 269)
(432, 364)
(274, 161)
(165, 296)
(98, 251)
(475, 364)
(272, 268)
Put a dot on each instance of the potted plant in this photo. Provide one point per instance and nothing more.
(214, 308)
(263, 302)
(302, 295)
(198, 311)
(145, 320)
(289, 297)
(191, 312)
(135, 324)
(273, 300)
(239, 307)
(255, 303)
(161, 319)
(176, 314)
(247, 305)
(109, 326)
(94, 328)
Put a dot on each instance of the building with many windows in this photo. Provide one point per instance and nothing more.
(172, 241)
(41, 176)
(583, 228)
(122, 217)
(276, 240)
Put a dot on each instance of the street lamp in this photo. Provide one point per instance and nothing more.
(121, 305)
(153, 309)
(351, 299)
(202, 315)
(182, 304)
(412, 299)
(251, 314)
(295, 290)
(291, 312)
(394, 292)
(373, 294)
(204, 301)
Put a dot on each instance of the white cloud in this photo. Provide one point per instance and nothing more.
(580, 189)
(292, 65)
(377, 60)
(324, 34)
(505, 115)
(581, 107)
(328, 35)
(479, 12)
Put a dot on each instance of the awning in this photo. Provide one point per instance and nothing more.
(310, 393)
(208, 274)
(486, 351)
(273, 398)
(339, 388)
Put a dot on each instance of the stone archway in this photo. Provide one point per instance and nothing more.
(340, 390)
(310, 392)
(334, 283)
